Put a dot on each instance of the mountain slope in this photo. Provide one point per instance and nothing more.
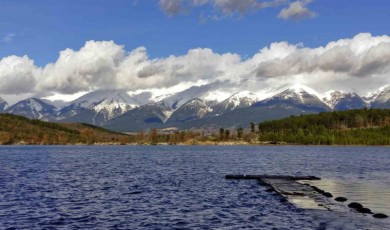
(98, 106)
(243, 116)
(191, 110)
(298, 96)
(236, 101)
(180, 98)
(195, 107)
(3, 105)
(144, 117)
(382, 100)
(33, 108)
(345, 101)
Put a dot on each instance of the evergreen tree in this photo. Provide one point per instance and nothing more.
(240, 132)
(221, 134)
(252, 125)
(227, 134)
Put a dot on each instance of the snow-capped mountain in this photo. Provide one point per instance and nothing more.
(237, 100)
(382, 99)
(3, 105)
(178, 99)
(344, 101)
(33, 108)
(152, 115)
(197, 106)
(296, 95)
(191, 110)
(98, 106)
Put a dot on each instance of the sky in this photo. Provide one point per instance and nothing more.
(67, 47)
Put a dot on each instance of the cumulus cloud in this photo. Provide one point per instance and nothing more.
(92, 67)
(17, 75)
(353, 63)
(297, 10)
(361, 56)
(197, 64)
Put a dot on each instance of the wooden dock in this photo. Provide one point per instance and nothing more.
(261, 177)
(297, 191)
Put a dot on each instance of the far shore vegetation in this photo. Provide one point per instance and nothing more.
(352, 127)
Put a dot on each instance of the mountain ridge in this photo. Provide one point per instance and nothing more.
(193, 107)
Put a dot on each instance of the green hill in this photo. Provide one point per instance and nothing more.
(20, 130)
(352, 127)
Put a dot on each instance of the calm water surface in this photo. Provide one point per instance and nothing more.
(172, 187)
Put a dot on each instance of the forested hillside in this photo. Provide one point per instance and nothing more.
(352, 127)
(20, 130)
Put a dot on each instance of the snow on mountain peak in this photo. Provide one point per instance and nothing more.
(299, 89)
(203, 92)
(108, 103)
(243, 97)
(33, 104)
(3, 104)
(106, 97)
(300, 95)
(33, 108)
(334, 98)
(372, 96)
(296, 92)
(331, 98)
(111, 102)
(246, 94)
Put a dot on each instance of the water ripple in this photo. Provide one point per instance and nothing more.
(175, 187)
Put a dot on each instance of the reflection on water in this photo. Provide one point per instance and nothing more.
(375, 196)
(305, 202)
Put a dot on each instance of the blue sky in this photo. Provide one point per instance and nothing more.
(42, 28)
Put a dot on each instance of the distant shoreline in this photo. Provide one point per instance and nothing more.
(189, 144)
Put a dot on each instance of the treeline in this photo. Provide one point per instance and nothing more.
(190, 137)
(352, 127)
(20, 130)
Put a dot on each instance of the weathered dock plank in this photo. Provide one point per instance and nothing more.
(261, 177)
(301, 194)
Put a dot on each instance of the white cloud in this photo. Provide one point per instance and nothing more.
(358, 63)
(8, 38)
(361, 56)
(92, 67)
(17, 75)
(297, 10)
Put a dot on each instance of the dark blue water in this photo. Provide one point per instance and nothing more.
(172, 187)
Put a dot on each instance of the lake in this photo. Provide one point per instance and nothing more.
(183, 187)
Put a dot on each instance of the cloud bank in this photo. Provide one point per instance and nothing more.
(293, 9)
(356, 64)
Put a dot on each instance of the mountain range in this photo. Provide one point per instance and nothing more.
(192, 108)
